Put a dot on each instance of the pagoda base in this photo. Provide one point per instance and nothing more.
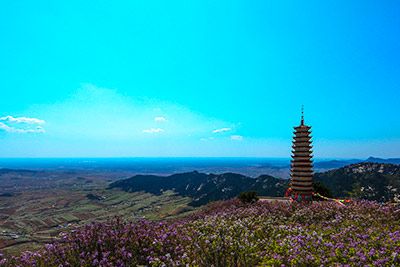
(299, 197)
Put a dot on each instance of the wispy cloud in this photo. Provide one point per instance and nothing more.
(222, 130)
(22, 120)
(160, 119)
(236, 137)
(12, 124)
(153, 130)
(5, 127)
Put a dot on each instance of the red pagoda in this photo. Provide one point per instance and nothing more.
(301, 173)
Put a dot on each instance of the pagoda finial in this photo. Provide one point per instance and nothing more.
(302, 114)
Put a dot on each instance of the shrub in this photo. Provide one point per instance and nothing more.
(248, 197)
(320, 188)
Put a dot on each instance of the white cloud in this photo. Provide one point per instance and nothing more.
(236, 137)
(153, 130)
(203, 139)
(222, 130)
(12, 124)
(160, 119)
(22, 120)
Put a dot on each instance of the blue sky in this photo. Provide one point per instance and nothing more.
(198, 78)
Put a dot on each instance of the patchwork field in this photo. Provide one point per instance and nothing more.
(36, 206)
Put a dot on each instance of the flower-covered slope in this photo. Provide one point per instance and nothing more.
(232, 234)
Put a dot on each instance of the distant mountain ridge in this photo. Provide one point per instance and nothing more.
(339, 163)
(334, 164)
(380, 160)
(203, 188)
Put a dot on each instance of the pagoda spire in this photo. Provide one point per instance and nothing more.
(301, 172)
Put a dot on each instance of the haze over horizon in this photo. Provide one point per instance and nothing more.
(189, 79)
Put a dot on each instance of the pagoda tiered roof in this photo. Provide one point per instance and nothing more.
(301, 173)
(302, 138)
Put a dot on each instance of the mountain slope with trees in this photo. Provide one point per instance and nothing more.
(203, 188)
(367, 180)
